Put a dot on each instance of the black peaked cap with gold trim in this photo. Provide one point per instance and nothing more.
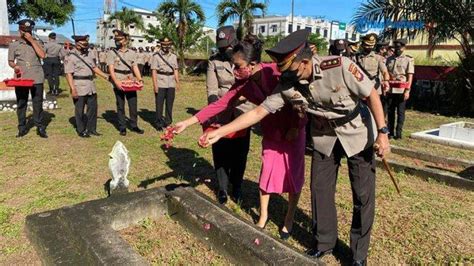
(287, 49)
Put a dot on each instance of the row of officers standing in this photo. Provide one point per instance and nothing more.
(389, 68)
(81, 68)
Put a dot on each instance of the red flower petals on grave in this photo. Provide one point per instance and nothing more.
(168, 136)
(256, 241)
(207, 227)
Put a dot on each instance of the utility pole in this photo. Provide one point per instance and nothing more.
(292, 14)
(73, 27)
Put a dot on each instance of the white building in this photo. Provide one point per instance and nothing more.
(282, 25)
(137, 37)
(105, 36)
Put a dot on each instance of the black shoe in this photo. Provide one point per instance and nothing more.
(95, 133)
(84, 134)
(222, 196)
(398, 136)
(159, 128)
(285, 235)
(318, 253)
(359, 262)
(22, 133)
(236, 194)
(42, 133)
(138, 130)
(123, 132)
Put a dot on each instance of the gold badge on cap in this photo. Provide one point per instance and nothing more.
(27, 24)
(221, 35)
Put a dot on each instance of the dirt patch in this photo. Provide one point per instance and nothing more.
(165, 241)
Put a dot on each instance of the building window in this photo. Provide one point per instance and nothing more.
(262, 29)
(354, 36)
(274, 28)
(310, 29)
(290, 28)
(131, 27)
(147, 16)
(318, 31)
(325, 34)
(347, 35)
(298, 27)
(150, 41)
(140, 40)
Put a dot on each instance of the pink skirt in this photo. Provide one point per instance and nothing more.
(283, 165)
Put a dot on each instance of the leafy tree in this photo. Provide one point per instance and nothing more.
(320, 42)
(125, 18)
(168, 29)
(55, 12)
(186, 14)
(243, 10)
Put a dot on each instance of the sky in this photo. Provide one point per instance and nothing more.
(89, 11)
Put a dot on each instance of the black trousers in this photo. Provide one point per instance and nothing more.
(324, 170)
(22, 104)
(87, 121)
(103, 67)
(164, 95)
(140, 68)
(230, 160)
(131, 97)
(396, 103)
(52, 70)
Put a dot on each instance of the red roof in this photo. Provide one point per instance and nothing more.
(432, 72)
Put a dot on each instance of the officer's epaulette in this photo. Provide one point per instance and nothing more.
(330, 63)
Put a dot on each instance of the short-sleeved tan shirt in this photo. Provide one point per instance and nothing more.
(76, 67)
(26, 58)
(52, 48)
(374, 65)
(165, 72)
(141, 58)
(337, 87)
(398, 68)
(129, 56)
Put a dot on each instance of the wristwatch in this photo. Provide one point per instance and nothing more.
(383, 130)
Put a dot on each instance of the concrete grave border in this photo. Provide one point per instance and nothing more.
(86, 233)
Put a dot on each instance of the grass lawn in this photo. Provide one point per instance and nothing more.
(431, 222)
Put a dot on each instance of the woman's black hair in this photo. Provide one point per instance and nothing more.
(250, 47)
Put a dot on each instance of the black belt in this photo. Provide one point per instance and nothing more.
(337, 122)
(125, 72)
(83, 77)
(165, 73)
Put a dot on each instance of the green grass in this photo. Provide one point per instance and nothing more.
(430, 223)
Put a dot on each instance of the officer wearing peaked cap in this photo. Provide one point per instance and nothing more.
(401, 69)
(338, 47)
(165, 76)
(24, 56)
(331, 89)
(80, 69)
(122, 66)
(374, 66)
(352, 50)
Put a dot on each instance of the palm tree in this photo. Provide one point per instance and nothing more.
(243, 10)
(184, 13)
(127, 17)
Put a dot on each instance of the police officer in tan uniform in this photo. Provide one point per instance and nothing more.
(401, 67)
(80, 69)
(374, 67)
(165, 76)
(52, 63)
(331, 89)
(122, 66)
(24, 56)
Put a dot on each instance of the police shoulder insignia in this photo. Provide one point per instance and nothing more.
(356, 72)
(330, 63)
